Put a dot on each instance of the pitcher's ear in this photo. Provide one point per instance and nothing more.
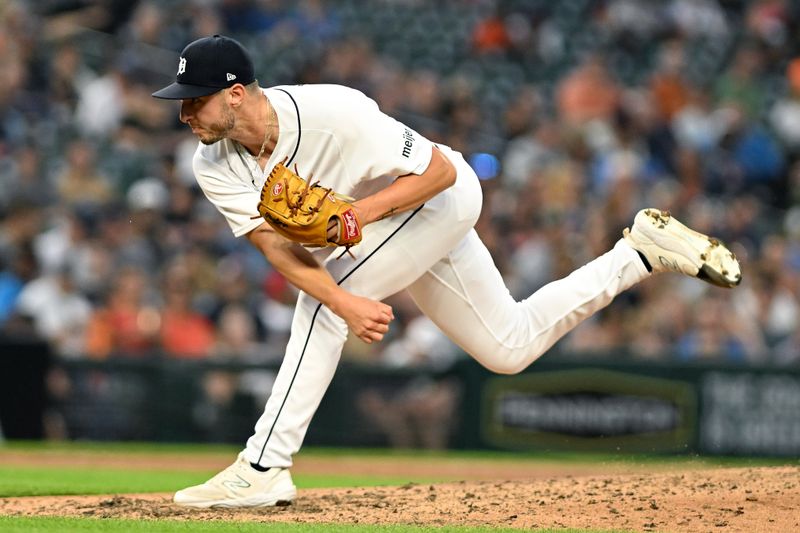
(236, 94)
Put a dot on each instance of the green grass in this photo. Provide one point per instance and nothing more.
(550, 456)
(557, 457)
(42, 481)
(35, 525)
(119, 447)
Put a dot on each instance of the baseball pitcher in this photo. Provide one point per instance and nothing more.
(352, 206)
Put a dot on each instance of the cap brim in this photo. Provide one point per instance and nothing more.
(180, 91)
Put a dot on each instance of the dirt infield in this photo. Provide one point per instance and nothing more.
(631, 498)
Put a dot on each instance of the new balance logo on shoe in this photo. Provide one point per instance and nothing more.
(672, 265)
(234, 484)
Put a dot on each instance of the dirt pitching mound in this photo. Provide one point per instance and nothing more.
(725, 500)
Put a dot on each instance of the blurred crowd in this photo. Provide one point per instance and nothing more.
(575, 114)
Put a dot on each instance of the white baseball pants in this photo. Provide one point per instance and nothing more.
(435, 253)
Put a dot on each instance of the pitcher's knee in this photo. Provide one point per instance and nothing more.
(507, 366)
(506, 358)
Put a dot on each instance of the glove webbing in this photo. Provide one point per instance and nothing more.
(295, 206)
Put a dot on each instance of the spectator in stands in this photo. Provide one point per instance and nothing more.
(698, 18)
(588, 93)
(655, 338)
(490, 34)
(19, 226)
(784, 115)
(243, 16)
(748, 160)
(711, 337)
(57, 312)
(66, 233)
(185, 333)
(101, 102)
(739, 87)
(125, 325)
(14, 127)
(786, 353)
(668, 87)
(128, 157)
(67, 73)
(237, 335)
(529, 153)
(316, 19)
(16, 270)
(23, 178)
(633, 23)
(698, 126)
(65, 19)
(80, 183)
(136, 230)
(769, 21)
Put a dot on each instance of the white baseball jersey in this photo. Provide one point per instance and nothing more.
(433, 252)
(346, 146)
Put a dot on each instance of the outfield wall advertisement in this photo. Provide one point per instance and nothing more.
(749, 414)
(641, 408)
(586, 408)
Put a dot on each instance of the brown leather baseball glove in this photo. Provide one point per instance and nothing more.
(301, 210)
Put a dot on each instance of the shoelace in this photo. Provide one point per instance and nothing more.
(301, 197)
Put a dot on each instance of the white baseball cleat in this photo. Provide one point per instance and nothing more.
(240, 485)
(669, 246)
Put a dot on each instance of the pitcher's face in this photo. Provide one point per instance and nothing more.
(210, 117)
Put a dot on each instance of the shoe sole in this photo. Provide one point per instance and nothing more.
(276, 500)
(714, 262)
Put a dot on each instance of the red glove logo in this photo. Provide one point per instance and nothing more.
(351, 229)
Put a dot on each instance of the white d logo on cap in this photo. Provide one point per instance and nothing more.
(181, 66)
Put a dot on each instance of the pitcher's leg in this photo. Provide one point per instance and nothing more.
(309, 364)
(467, 298)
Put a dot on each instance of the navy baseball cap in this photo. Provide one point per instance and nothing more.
(209, 65)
